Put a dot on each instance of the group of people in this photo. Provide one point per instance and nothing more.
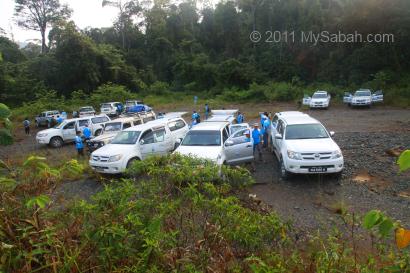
(82, 137)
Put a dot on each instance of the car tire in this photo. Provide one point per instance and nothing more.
(284, 174)
(131, 161)
(56, 142)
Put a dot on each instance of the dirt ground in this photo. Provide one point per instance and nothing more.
(370, 179)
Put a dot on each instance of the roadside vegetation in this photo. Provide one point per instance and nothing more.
(176, 214)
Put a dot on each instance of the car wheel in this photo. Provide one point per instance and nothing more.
(56, 142)
(284, 174)
(131, 161)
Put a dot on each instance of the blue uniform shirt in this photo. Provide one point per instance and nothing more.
(239, 118)
(79, 142)
(266, 125)
(59, 120)
(256, 136)
(87, 133)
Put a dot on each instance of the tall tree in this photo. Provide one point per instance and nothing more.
(40, 14)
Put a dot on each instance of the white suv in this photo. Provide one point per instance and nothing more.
(303, 145)
(320, 99)
(66, 131)
(157, 137)
(109, 108)
(211, 140)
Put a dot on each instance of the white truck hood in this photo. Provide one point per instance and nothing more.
(312, 145)
(318, 100)
(205, 152)
(105, 137)
(50, 131)
(362, 98)
(114, 149)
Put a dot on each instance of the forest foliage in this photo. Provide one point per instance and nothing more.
(191, 47)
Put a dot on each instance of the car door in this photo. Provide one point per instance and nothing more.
(69, 131)
(163, 141)
(306, 100)
(238, 148)
(347, 98)
(147, 144)
(377, 96)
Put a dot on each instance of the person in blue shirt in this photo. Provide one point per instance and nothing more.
(266, 131)
(59, 119)
(239, 118)
(87, 133)
(26, 124)
(207, 110)
(119, 109)
(79, 144)
(196, 116)
(256, 137)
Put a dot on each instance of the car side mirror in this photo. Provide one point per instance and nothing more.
(178, 142)
(229, 143)
(332, 133)
(278, 136)
(142, 142)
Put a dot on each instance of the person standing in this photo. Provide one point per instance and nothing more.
(87, 133)
(207, 110)
(26, 124)
(256, 136)
(196, 116)
(239, 118)
(266, 131)
(79, 144)
(59, 120)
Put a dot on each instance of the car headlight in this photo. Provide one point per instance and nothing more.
(336, 154)
(294, 155)
(114, 158)
(42, 135)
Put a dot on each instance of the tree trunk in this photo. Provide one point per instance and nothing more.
(43, 41)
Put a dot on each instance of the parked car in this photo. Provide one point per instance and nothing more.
(86, 111)
(233, 128)
(47, 118)
(320, 99)
(109, 108)
(212, 141)
(302, 145)
(66, 131)
(157, 137)
(131, 103)
(363, 97)
(222, 115)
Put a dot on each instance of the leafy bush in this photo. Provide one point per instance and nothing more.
(6, 137)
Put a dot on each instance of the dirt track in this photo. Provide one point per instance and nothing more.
(370, 180)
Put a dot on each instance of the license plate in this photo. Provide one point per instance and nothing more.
(98, 168)
(317, 169)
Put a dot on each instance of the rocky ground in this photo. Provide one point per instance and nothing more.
(370, 140)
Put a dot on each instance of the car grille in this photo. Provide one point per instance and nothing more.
(100, 158)
(316, 156)
(322, 166)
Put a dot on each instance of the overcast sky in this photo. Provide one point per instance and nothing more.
(85, 13)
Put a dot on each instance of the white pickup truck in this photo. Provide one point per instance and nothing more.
(66, 131)
(363, 97)
(213, 141)
(320, 99)
(157, 137)
(304, 146)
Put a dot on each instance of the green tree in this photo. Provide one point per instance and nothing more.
(39, 14)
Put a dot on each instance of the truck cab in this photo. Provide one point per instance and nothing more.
(157, 137)
(66, 131)
(320, 99)
(109, 108)
(47, 118)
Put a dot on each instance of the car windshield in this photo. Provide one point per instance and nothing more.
(112, 127)
(202, 138)
(126, 137)
(61, 125)
(306, 131)
(236, 128)
(319, 96)
(362, 94)
(86, 109)
(105, 105)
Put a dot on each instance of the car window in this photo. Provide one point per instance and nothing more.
(279, 128)
(97, 120)
(225, 135)
(148, 119)
(137, 122)
(69, 125)
(275, 120)
(306, 131)
(202, 138)
(126, 137)
(180, 124)
(83, 122)
(239, 137)
(126, 125)
(148, 137)
(172, 126)
(159, 135)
